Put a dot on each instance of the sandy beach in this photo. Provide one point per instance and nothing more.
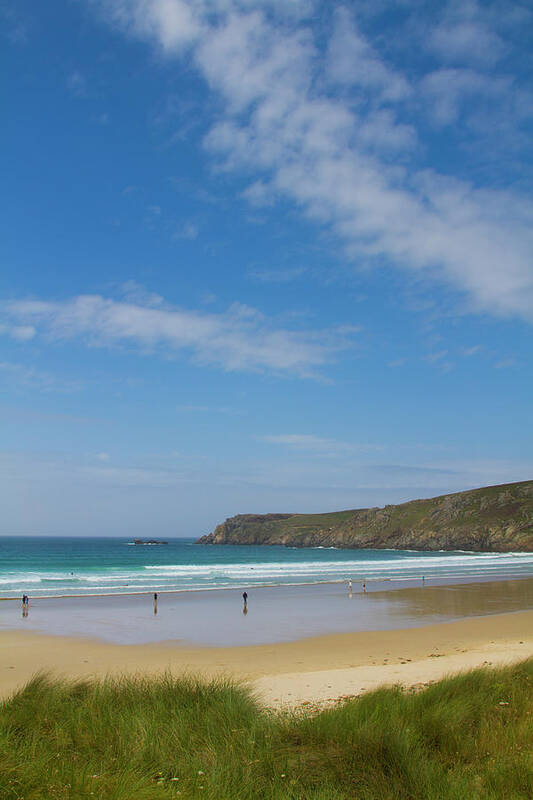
(311, 670)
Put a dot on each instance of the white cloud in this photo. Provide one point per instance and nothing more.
(239, 339)
(351, 61)
(102, 456)
(380, 131)
(330, 154)
(466, 41)
(464, 35)
(171, 24)
(135, 293)
(259, 194)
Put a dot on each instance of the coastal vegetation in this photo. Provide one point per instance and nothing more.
(468, 736)
(494, 518)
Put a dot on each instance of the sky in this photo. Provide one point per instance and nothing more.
(270, 256)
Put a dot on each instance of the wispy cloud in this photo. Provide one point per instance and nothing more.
(464, 35)
(77, 83)
(353, 62)
(398, 362)
(335, 153)
(14, 25)
(22, 333)
(448, 92)
(468, 352)
(317, 444)
(240, 339)
(186, 230)
(505, 363)
(436, 357)
(124, 496)
(277, 275)
(205, 409)
(28, 377)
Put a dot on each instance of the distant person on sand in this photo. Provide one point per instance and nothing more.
(364, 587)
(245, 598)
(155, 602)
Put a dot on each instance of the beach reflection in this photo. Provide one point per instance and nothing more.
(462, 600)
(280, 613)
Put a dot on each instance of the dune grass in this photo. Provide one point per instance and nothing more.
(148, 739)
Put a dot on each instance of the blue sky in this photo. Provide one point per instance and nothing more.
(261, 256)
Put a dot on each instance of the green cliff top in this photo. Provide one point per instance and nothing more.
(496, 518)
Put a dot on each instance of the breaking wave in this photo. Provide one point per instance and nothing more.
(102, 571)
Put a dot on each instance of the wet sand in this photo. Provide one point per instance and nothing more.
(275, 614)
(287, 668)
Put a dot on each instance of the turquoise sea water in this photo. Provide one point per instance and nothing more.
(45, 566)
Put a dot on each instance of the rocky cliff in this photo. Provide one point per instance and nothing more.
(495, 518)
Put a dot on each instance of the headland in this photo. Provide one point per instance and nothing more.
(490, 519)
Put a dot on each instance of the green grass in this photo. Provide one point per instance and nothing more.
(303, 524)
(468, 737)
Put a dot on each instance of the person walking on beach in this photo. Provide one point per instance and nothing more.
(245, 598)
(155, 602)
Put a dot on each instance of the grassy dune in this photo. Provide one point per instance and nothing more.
(146, 739)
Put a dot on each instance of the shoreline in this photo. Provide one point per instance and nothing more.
(415, 580)
(315, 670)
(150, 592)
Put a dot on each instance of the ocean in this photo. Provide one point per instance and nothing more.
(54, 566)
